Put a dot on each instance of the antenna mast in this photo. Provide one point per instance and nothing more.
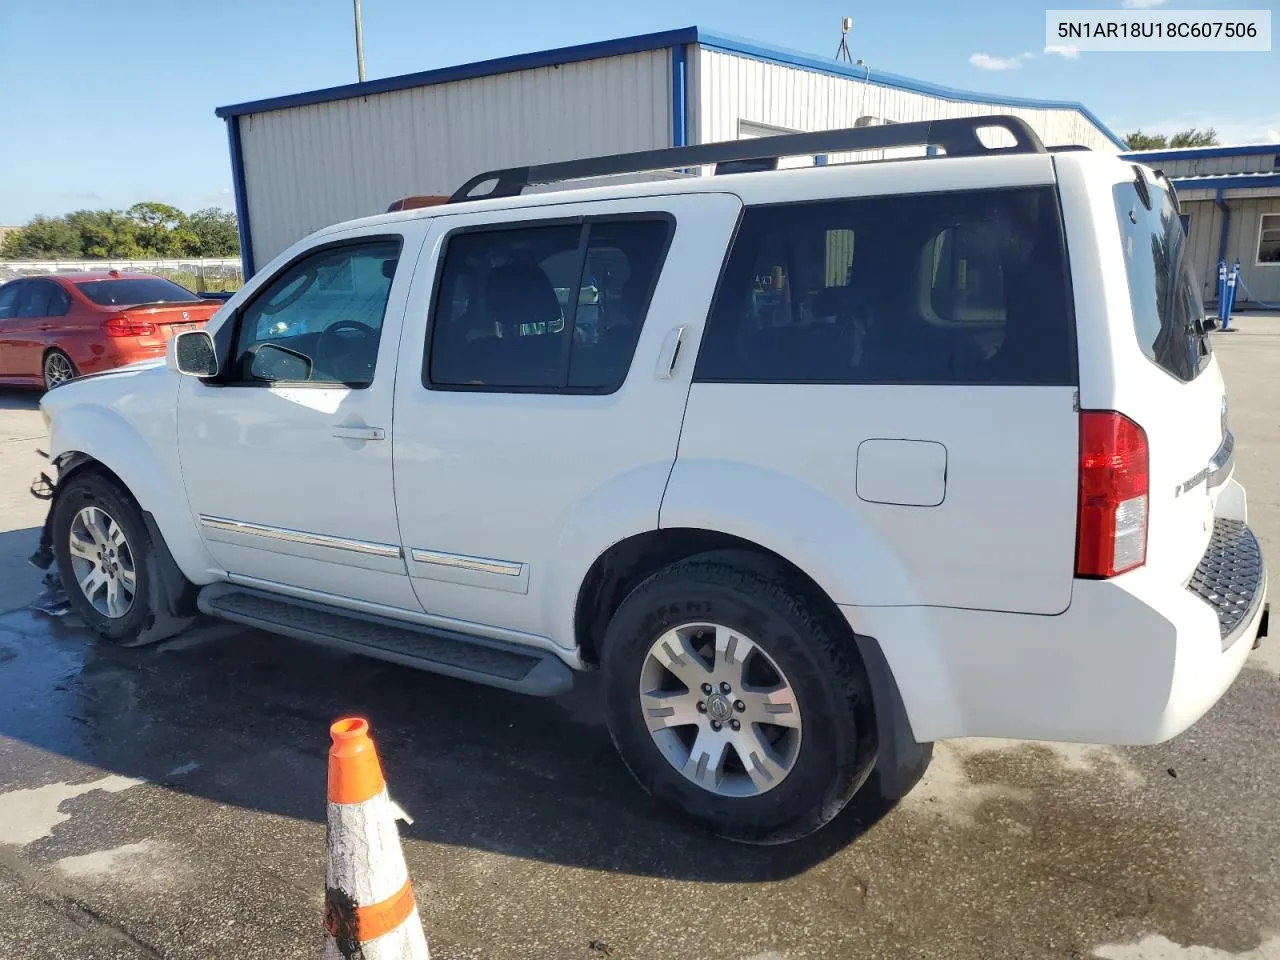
(842, 52)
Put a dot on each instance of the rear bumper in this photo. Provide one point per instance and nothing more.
(1133, 660)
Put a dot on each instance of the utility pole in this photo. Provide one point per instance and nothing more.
(359, 43)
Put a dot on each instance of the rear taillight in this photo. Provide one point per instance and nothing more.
(1111, 532)
(121, 325)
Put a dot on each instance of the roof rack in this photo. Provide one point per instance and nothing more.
(958, 137)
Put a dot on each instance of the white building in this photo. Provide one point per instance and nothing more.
(304, 161)
(1231, 209)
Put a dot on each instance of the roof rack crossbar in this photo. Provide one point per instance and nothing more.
(957, 136)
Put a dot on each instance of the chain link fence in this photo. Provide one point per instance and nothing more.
(207, 275)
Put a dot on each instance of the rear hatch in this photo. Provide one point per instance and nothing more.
(1167, 379)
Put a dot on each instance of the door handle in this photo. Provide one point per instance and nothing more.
(669, 353)
(359, 433)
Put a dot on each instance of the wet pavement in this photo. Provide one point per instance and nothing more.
(169, 802)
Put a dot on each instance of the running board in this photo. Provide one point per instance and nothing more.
(453, 654)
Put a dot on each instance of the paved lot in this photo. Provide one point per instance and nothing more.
(169, 802)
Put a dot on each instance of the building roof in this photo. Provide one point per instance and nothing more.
(642, 43)
(1204, 153)
(1228, 181)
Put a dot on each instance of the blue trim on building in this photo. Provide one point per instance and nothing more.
(654, 41)
(242, 197)
(1225, 234)
(1204, 153)
(1228, 181)
(679, 95)
(470, 71)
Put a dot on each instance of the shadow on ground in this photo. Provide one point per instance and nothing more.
(11, 399)
(478, 767)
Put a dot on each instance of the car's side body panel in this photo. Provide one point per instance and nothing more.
(281, 483)
(507, 498)
(126, 420)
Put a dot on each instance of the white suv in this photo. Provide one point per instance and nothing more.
(816, 466)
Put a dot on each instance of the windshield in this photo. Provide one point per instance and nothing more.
(1168, 314)
(130, 292)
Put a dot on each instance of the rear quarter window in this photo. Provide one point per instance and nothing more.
(954, 288)
(1167, 310)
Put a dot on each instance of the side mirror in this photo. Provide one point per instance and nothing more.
(276, 363)
(194, 354)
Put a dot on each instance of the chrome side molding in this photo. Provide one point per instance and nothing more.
(504, 568)
(368, 548)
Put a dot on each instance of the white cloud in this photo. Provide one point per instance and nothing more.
(1140, 4)
(1066, 51)
(985, 62)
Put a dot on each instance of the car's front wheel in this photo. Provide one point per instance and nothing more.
(107, 561)
(733, 698)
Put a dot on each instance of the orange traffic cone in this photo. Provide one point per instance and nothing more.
(369, 911)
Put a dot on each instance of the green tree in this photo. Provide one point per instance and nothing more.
(43, 238)
(155, 224)
(1195, 138)
(144, 230)
(1146, 141)
(106, 233)
(1191, 137)
(217, 232)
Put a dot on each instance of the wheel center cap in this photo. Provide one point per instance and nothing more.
(719, 708)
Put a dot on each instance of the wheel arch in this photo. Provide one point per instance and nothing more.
(627, 563)
(96, 438)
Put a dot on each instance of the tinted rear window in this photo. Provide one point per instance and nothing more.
(922, 289)
(1168, 314)
(128, 293)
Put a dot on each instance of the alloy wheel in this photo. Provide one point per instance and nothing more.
(720, 709)
(103, 562)
(57, 369)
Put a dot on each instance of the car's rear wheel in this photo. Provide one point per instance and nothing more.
(108, 563)
(733, 698)
(58, 368)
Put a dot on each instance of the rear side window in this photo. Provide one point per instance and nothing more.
(59, 302)
(924, 289)
(548, 309)
(1168, 316)
(131, 292)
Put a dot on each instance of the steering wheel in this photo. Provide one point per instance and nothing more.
(348, 350)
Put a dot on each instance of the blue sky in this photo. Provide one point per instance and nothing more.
(103, 106)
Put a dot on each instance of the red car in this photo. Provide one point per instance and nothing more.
(56, 327)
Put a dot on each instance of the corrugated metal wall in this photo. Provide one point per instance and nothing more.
(736, 88)
(1206, 166)
(1263, 280)
(308, 167)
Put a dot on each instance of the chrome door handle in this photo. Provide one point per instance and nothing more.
(669, 354)
(359, 433)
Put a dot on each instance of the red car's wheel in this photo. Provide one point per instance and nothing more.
(58, 368)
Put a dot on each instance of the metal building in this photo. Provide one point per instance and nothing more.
(305, 161)
(1231, 209)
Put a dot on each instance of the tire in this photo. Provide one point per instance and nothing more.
(57, 369)
(820, 757)
(115, 542)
